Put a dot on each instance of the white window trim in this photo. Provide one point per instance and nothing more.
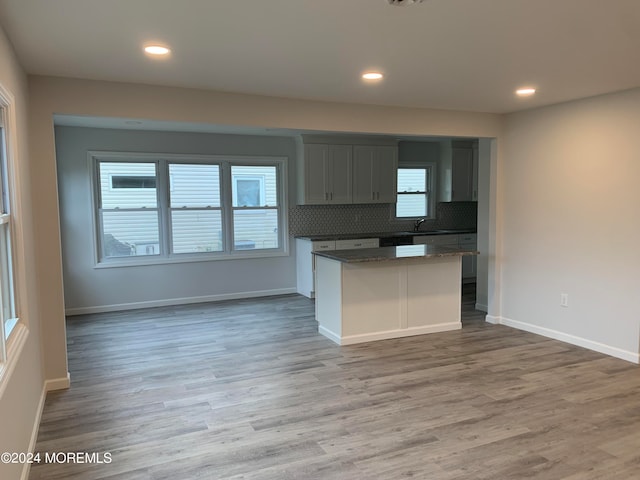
(11, 348)
(225, 162)
(431, 188)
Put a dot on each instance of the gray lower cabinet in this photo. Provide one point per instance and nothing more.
(305, 261)
(469, 262)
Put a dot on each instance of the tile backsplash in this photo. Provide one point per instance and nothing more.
(370, 218)
(457, 215)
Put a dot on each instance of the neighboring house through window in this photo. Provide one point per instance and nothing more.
(188, 207)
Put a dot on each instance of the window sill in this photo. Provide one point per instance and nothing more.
(185, 258)
(15, 343)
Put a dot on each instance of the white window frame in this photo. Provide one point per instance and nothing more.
(11, 343)
(169, 222)
(430, 191)
(100, 210)
(163, 186)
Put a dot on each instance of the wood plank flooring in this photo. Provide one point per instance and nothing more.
(248, 390)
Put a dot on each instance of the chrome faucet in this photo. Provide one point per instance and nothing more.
(417, 223)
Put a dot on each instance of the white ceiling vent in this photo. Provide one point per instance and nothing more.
(402, 3)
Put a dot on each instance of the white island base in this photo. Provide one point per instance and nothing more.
(367, 301)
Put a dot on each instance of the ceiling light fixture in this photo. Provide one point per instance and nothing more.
(156, 50)
(525, 92)
(372, 76)
(402, 3)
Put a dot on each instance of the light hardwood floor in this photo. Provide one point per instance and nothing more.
(249, 390)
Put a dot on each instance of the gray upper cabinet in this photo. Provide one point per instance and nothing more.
(462, 175)
(375, 170)
(327, 174)
(345, 172)
(459, 171)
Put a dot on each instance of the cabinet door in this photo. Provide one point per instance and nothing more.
(339, 174)
(469, 263)
(363, 160)
(317, 246)
(475, 174)
(462, 175)
(357, 243)
(321, 245)
(446, 240)
(375, 169)
(386, 175)
(315, 174)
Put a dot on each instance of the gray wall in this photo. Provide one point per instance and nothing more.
(418, 152)
(92, 289)
(571, 222)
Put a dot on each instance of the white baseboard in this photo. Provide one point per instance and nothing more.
(565, 337)
(481, 307)
(492, 319)
(386, 335)
(177, 301)
(61, 383)
(334, 337)
(48, 386)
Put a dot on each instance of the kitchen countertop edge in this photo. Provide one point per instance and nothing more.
(386, 254)
(353, 236)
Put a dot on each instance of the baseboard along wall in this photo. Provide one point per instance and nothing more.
(177, 301)
(633, 357)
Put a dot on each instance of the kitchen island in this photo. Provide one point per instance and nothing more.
(389, 292)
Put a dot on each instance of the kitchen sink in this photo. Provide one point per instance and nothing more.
(402, 234)
(406, 237)
(443, 231)
(411, 233)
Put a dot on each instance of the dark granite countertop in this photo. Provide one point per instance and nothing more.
(352, 236)
(385, 254)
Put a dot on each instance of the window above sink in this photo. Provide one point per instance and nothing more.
(416, 186)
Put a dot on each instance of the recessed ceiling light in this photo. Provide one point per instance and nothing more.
(372, 76)
(156, 50)
(402, 3)
(525, 92)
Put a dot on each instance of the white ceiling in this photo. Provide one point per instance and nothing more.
(450, 54)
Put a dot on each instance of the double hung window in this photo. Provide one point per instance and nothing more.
(8, 315)
(415, 187)
(177, 208)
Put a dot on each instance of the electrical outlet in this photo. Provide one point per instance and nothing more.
(564, 299)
